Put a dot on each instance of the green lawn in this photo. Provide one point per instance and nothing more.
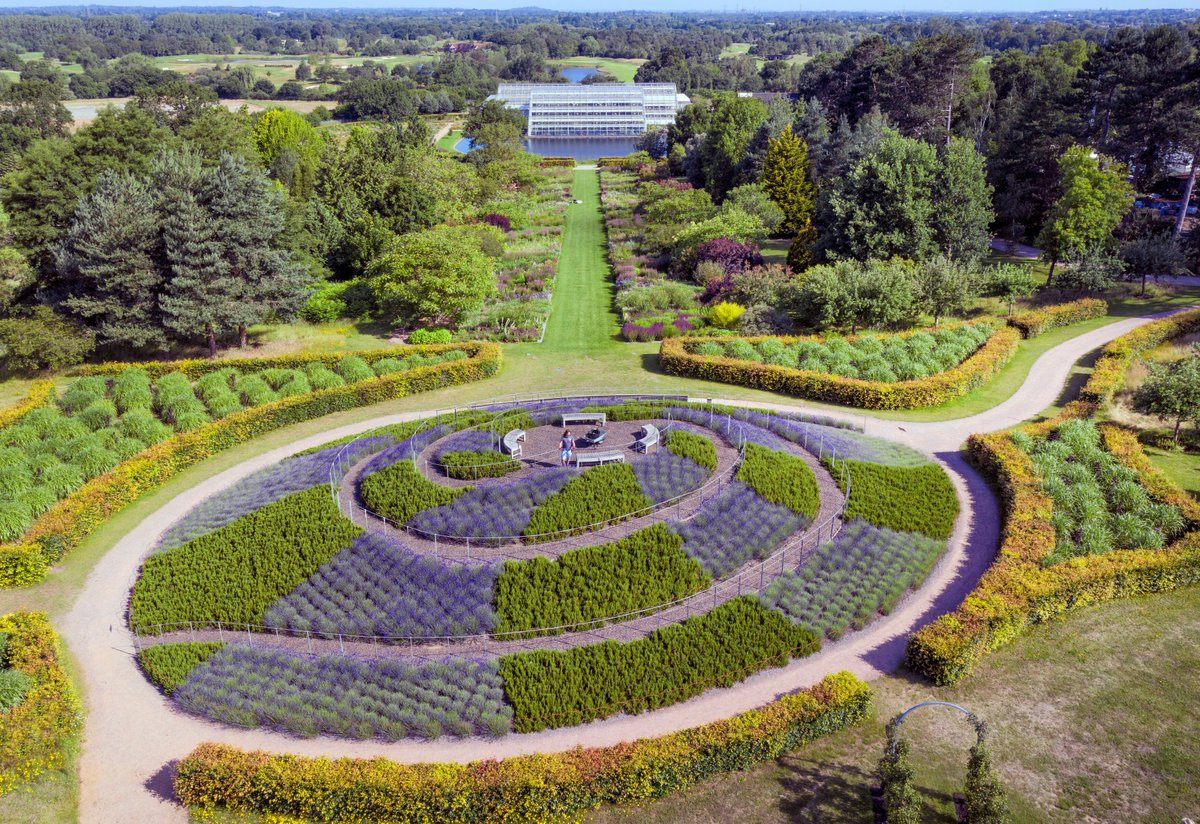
(582, 320)
(1183, 468)
(448, 140)
(1093, 719)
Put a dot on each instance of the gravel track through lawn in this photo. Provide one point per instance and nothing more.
(133, 735)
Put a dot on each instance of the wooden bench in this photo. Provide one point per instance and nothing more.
(569, 418)
(647, 439)
(512, 442)
(599, 458)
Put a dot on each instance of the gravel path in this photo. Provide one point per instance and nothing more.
(133, 735)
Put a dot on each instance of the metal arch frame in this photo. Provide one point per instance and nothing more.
(974, 719)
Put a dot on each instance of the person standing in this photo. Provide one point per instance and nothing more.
(566, 447)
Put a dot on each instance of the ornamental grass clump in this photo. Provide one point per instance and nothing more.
(380, 587)
(600, 495)
(400, 491)
(354, 369)
(734, 527)
(233, 574)
(387, 698)
(1099, 504)
(582, 587)
(131, 390)
(563, 688)
(847, 582)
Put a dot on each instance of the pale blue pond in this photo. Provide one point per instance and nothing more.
(580, 148)
(578, 74)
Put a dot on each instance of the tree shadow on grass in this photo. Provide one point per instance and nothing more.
(810, 791)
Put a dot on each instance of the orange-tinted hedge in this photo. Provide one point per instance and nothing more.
(71, 519)
(543, 787)
(1108, 375)
(1123, 445)
(40, 393)
(195, 367)
(821, 386)
(1017, 591)
(32, 733)
(1036, 321)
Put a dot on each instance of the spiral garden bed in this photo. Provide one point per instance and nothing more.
(359, 590)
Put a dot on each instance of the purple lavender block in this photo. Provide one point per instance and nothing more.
(734, 527)
(389, 698)
(663, 475)
(377, 586)
(498, 509)
(266, 486)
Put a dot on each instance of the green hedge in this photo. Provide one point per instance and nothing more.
(676, 359)
(470, 465)
(903, 498)
(604, 493)
(781, 479)
(1036, 321)
(539, 787)
(641, 570)
(70, 520)
(563, 688)
(234, 573)
(400, 491)
(33, 734)
(168, 665)
(693, 446)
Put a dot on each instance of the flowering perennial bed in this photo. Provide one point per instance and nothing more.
(340, 695)
(863, 572)
(499, 509)
(665, 476)
(377, 586)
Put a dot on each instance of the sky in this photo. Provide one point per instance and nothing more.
(910, 6)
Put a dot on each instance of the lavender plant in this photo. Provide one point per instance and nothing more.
(264, 487)
(498, 509)
(734, 527)
(663, 475)
(863, 572)
(380, 587)
(388, 698)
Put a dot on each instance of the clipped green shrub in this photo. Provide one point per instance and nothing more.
(603, 494)
(168, 665)
(693, 446)
(644, 569)
(781, 479)
(231, 575)
(563, 688)
(400, 491)
(470, 464)
(421, 336)
(903, 498)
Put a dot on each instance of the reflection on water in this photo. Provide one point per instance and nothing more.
(580, 148)
(578, 74)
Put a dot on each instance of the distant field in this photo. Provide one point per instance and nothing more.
(621, 68)
(276, 68)
(734, 49)
(84, 110)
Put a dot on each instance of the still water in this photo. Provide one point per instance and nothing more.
(578, 74)
(580, 148)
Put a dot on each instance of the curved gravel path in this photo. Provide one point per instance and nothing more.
(133, 735)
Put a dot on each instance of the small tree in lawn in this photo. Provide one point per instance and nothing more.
(1153, 255)
(1095, 196)
(435, 276)
(787, 177)
(1172, 392)
(900, 799)
(944, 286)
(985, 796)
(1010, 282)
(1092, 270)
